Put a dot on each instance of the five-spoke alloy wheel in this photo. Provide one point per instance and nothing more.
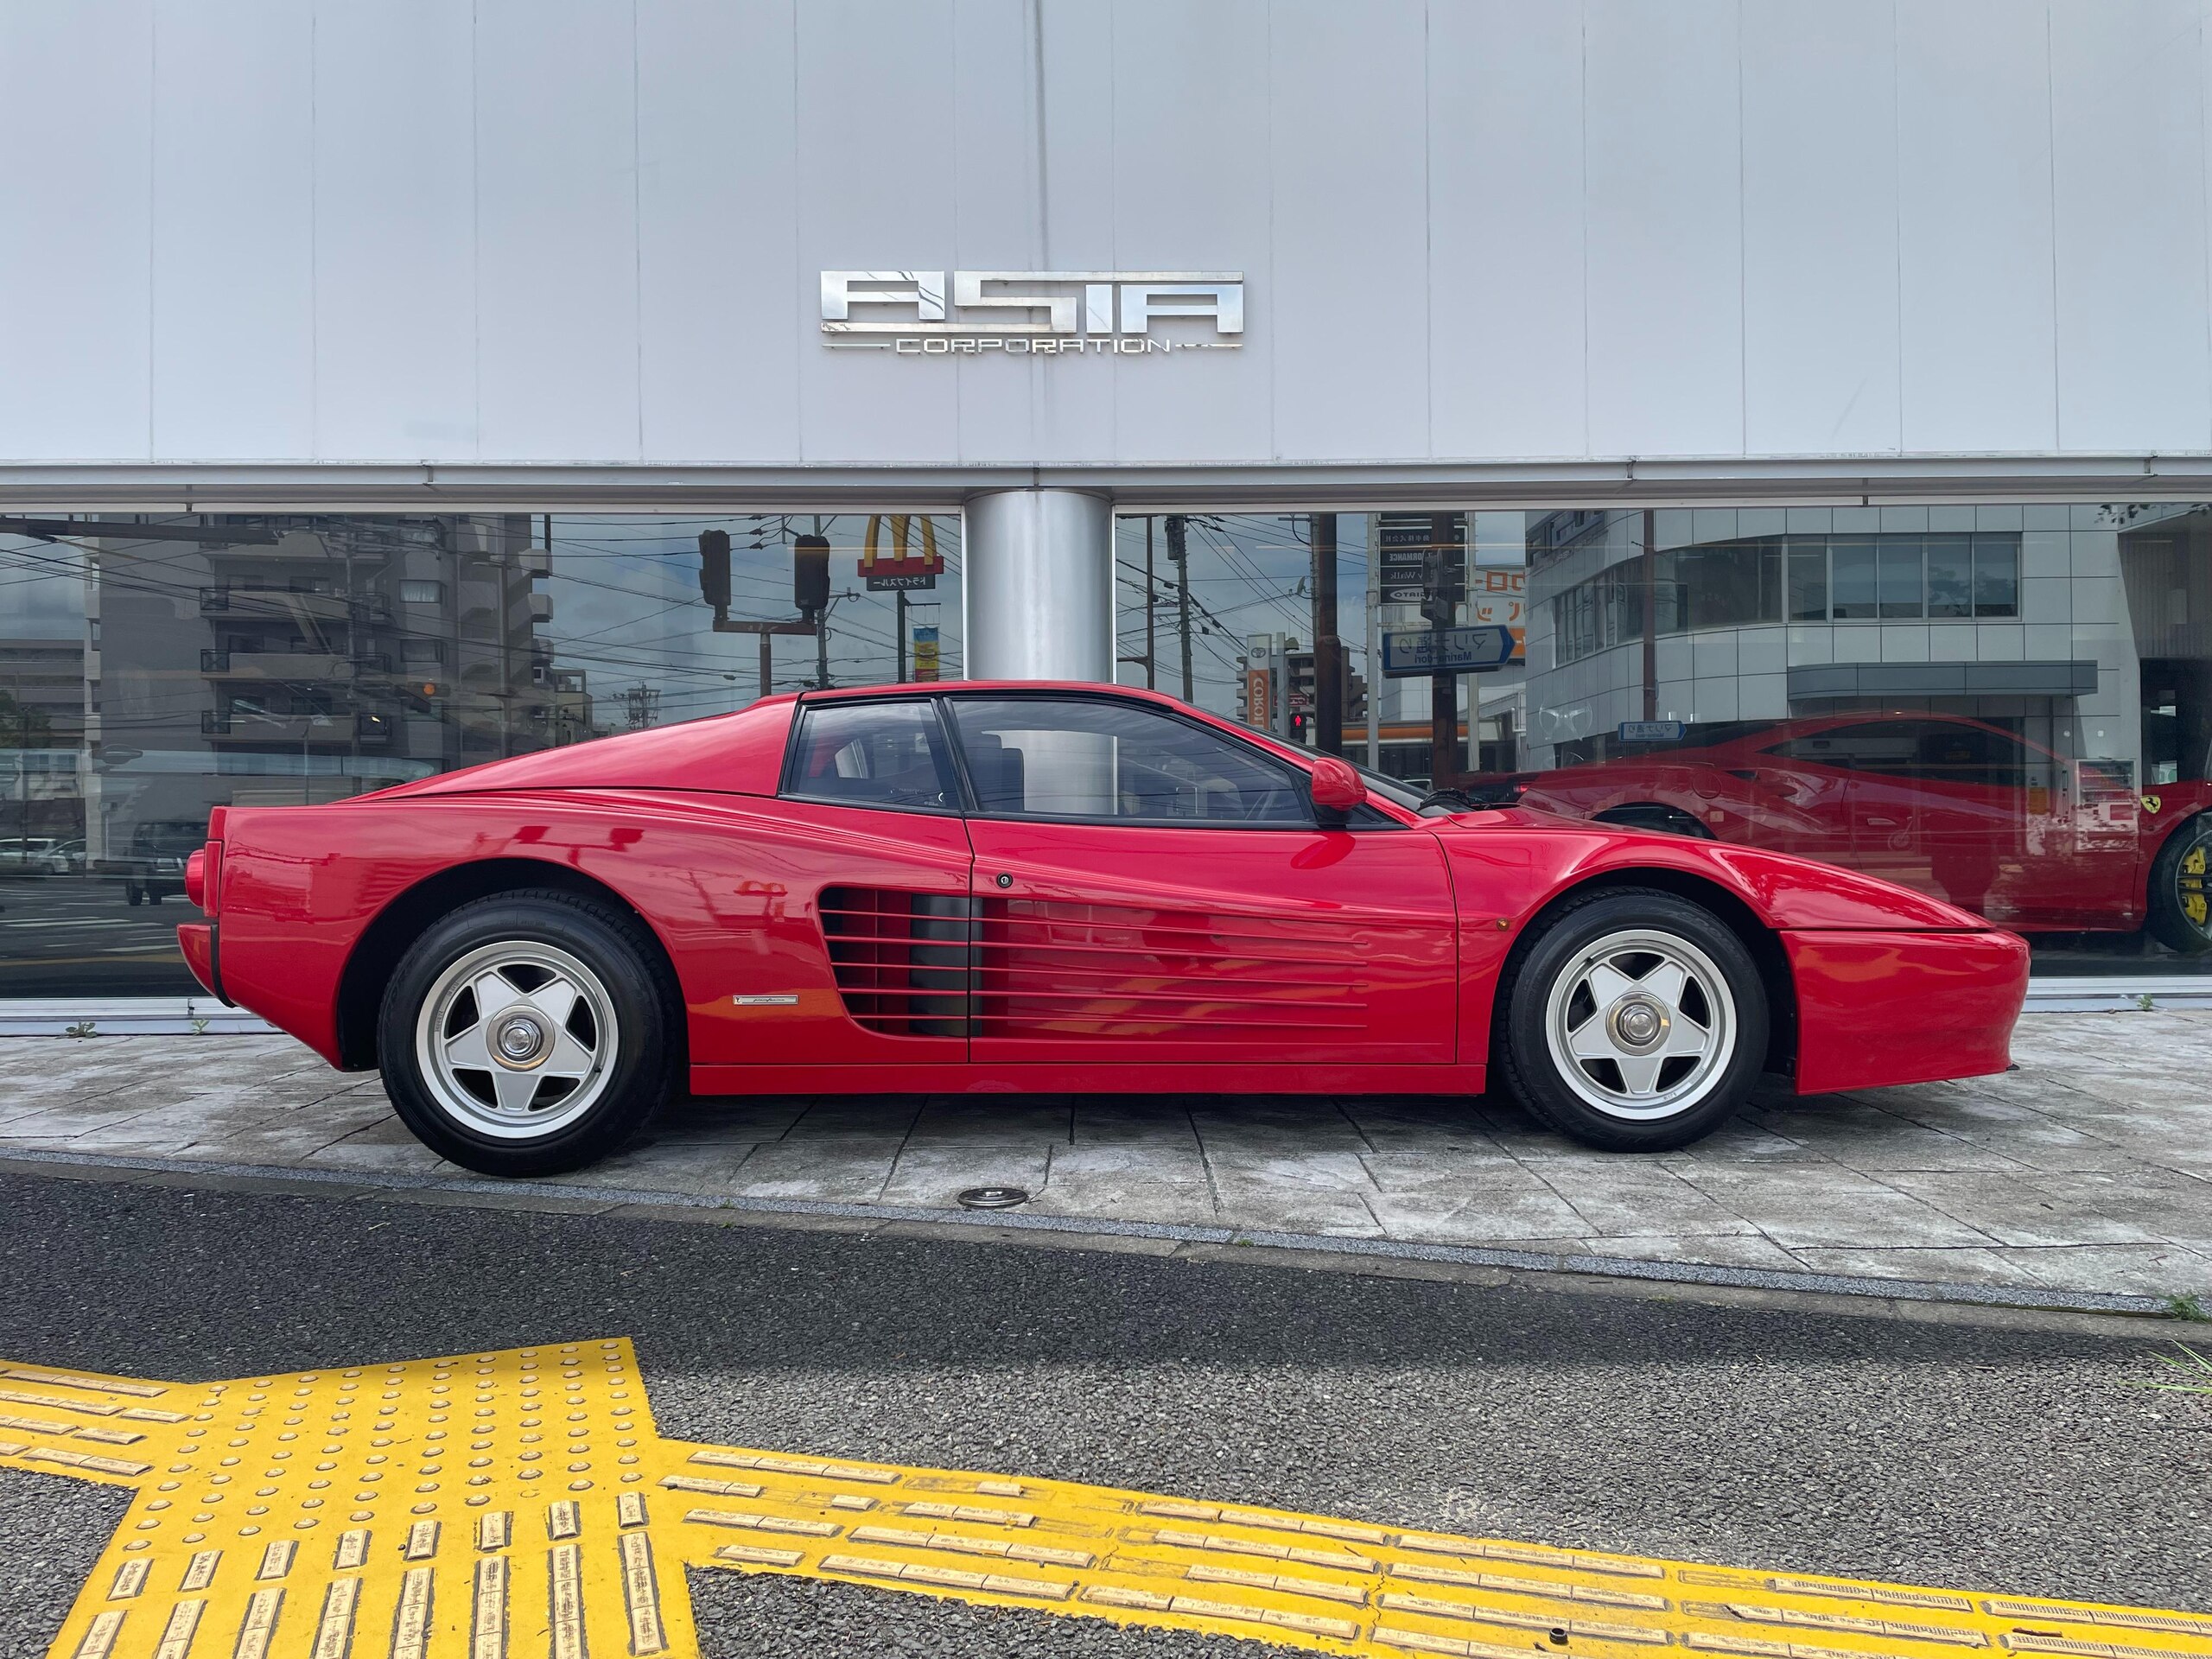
(1631, 1020)
(527, 1034)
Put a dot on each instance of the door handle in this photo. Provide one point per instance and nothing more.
(1882, 823)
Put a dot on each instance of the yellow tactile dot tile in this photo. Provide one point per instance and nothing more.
(520, 1503)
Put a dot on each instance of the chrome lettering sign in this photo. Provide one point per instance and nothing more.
(1042, 313)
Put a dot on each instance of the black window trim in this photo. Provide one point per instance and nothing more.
(1301, 782)
(949, 730)
(787, 781)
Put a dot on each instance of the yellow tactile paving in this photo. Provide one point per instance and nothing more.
(520, 1505)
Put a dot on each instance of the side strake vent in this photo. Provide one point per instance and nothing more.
(939, 965)
(901, 959)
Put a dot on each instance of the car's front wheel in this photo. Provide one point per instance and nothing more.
(527, 1034)
(1633, 1020)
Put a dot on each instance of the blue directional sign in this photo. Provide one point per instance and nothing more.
(1409, 652)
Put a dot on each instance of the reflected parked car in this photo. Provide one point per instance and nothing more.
(1025, 887)
(1959, 809)
(153, 869)
(41, 855)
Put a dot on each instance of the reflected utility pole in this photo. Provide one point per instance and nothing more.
(1328, 648)
(1178, 555)
(1151, 615)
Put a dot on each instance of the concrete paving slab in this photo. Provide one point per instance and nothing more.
(1641, 1199)
(1263, 1204)
(848, 1172)
(1172, 1202)
(936, 1175)
(2087, 1208)
(1512, 1208)
(2138, 1269)
(991, 1121)
(1833, 1207)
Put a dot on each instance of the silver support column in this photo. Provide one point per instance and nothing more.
(1037, 591)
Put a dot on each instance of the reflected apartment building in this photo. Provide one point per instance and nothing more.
(272, 661)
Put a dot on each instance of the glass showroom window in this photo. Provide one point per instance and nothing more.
(154, 668)
(2006, 707)
(1243, 599)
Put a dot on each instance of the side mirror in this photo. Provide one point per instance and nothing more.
(1337, 787)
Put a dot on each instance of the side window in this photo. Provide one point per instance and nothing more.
(1887, 746)
(1973, 755)
(885, 754)
(1077, 758)
(1931, 751)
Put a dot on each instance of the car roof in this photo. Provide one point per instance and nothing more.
(935, 688)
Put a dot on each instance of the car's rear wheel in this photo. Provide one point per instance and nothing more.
(2181, 889)
(527, 1034)
(1633, 1020)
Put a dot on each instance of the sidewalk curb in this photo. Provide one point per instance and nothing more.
(1218, 1243)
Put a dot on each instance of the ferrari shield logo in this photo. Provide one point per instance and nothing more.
(2151, 802)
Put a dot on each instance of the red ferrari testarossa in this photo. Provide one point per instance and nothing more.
(1053, 888)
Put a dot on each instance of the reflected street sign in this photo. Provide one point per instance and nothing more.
(1449, 651)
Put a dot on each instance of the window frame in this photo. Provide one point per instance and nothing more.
(942, 750)
(1301, 780)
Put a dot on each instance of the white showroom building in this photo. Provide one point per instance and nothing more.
(376, 376)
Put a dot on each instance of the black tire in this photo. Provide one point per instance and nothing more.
(627, 991)
(2181, 889)
(1651, 814)
(1555, 958)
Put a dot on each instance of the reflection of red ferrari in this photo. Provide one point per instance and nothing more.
(1024, 887)
(1956, 808)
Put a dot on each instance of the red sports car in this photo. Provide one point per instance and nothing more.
(1004, 888)
(1956, 808)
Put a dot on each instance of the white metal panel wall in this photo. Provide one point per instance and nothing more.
(877, 85)
(590, 229)
(1662, 227)
(1819, 228)
(1974, 226)
(1351, 192)
(1505, 241)
(1192, 192)
(75, 231)
(233, 229)
(556, 230)
(394, 232)
(2126, 120)
(718, 260)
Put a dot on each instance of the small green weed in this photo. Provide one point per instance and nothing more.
(2196, 1370)
(82, 1028)
(2188, 1305)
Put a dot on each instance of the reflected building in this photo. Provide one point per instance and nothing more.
(272, 661)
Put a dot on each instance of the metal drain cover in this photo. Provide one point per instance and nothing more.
(993, 1198)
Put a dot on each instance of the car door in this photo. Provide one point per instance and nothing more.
(1149, 889)
(1798, 792)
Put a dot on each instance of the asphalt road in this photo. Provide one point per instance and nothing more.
(1802, 1441)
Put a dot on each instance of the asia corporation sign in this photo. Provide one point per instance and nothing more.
(1033, 313)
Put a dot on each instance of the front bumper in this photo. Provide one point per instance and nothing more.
(1880, 1008)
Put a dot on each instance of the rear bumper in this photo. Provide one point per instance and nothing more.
(1877, 1008)
(197, 940)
